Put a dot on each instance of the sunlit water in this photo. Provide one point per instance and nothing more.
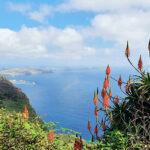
(68, 96)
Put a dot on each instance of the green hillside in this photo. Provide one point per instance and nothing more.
(13, 99)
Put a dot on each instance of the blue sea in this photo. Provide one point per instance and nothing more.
(67, 96)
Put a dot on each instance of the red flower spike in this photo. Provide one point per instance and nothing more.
(130, 81)
(77, 144)
(102, 123)
(120, 82)
(89, 125)
(96, 130)
(124, 105)
(104, 127)
(99, 138)
(50, 136)
(97, 92)
(108, 79)
(95, 98)
(106, 84)
(96, 111)
(26, 113)
(103, 93)
(127, 88)
(117, 100)
(105, 100)
(110, 93)
(108, 70)
(140, 63)
(149, 47)
(127, 53)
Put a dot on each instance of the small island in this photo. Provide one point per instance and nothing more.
(13, 72)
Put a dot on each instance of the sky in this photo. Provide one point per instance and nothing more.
(73, 33)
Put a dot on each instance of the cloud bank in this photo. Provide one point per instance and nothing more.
(114, 21)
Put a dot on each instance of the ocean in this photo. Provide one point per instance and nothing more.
(67, 96)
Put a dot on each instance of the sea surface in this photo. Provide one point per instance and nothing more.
(67, 96)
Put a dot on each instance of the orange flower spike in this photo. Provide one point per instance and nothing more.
(130, 81)
(89, 125)
(110, 93)
(95, 98)
(104, 127)
(140, 63)
(108, 79)
(99, 138)
(117, 100)
(97, 92)
(108, 70)
(149, 47)
(106, 84)
(120, 82)
(103, 93)
(96, 130)
(96, 111)
(127, 52)
(102, 123)
(105, 100)
(127, 88)
(26, 113)
(50, 136)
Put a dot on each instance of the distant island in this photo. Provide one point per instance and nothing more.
(13, 72)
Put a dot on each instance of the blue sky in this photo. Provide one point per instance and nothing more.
(73, 32)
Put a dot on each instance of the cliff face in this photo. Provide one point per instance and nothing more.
(13, 99)
(7, 89)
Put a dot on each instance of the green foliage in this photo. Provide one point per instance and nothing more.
(114, 140)
(17, 134)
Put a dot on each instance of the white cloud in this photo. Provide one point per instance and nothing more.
(40, 15)
(115, 20)
(102, 5)
(49, 43)
(122, 27)
(22, 8)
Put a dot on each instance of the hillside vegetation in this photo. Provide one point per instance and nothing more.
(13, 99)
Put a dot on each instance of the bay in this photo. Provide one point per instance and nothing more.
(67, 96)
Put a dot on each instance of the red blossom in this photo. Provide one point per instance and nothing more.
(96, 130)
(103, 93)
(120, 82)
(78, 145)
(103, 125)
(95, 98)
(110, 93)
(130, 81)
(26, 113)
(106, 83)
(89, 125)
(108, 70)
(105, 100)
(127, 88)
(127, 53)
(50, 136)
(108, 79)
(96, 111)
(140, 63)
(117, 100)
